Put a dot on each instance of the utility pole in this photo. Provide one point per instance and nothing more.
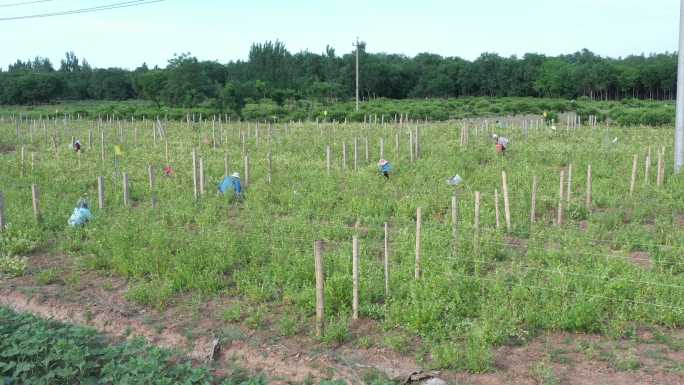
(679, 128)
(357, 73)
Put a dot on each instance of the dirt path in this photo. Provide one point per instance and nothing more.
(87, 298)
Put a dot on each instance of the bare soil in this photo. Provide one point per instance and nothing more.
(191, 324)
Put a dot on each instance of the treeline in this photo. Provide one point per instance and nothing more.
(272, 72)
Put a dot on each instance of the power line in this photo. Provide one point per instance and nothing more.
(124, 4)
(23, 3)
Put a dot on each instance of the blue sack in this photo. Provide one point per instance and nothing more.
(80, 216)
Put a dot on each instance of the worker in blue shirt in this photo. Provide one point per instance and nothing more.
(81, 214)
(231, 182)
(385, 168)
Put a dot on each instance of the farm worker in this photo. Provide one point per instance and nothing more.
(501, 143)
(81, 214)
(77, 146)
(168, 171)
(455, 180)
(231, 182)
(385, 168)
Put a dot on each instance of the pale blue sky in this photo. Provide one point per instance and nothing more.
(224, 30)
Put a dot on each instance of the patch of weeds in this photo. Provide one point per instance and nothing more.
(657, 355)
(48, 277)
(229, 334)
(543, 374)
(12, 266)
(155, 294)
(558, 356)
(337, 332)
(232, 313)
(364, 342)
(107, 285)
(73, 279)
(398, 342)
(671, 342)
(626, 362)
(255, 319)
(287, 325)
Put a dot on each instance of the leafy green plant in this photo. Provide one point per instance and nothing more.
(12, 266)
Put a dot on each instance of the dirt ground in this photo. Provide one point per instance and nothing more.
(88, 298)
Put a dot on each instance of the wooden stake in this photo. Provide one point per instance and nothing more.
(225, 164)
(247, 170)
(632, 181)
(588, 197)
(100, 192)
(647, 166)
(150, 177)
(660, 172)
(320, 288)
(533, 203)
(355, 278)
(568, 194)
(559, 219)
(344, 154)
(496, 208)
(382, 148)
(418, 226)
(194, 174)
(102, 141)
(36, 201)
(125, 189)
(507, 207)
(269, 164)
(201, 175)
(454, 222)
(327, 159)
(386, 261)
(367, 151)
(476, 225)
(356, 156)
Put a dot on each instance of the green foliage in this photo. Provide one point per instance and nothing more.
(36, 351)
(48, 277)
(12, 266)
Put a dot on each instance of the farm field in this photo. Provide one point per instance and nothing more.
(611, 266)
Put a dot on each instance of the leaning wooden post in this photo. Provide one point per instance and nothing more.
(386, 261)
(632, 180)
(355, 278)
(418, 226)
(320, 288)
(588, 197)
(150, 177)
(194, 173)
(2, 212)
(507, 207)
(100, 192)
(496, 208)
(36, 201)
(454, 222)
(125, 189)
(559, 219)
(568, 193)
(533, 203)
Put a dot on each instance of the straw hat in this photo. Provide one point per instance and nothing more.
(236, 175)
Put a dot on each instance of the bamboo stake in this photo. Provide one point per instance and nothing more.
(36, 201)
(320, 288)
(588, 197)
(418, 228)
(327, 159)
(386, 261)
(355, 278)
(507, 207)
(559, 219)
(533, 203)
(568, 194)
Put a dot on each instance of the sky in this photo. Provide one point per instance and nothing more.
(224, 30)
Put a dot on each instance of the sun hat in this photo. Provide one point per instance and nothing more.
(382, 162)
(236, 175)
